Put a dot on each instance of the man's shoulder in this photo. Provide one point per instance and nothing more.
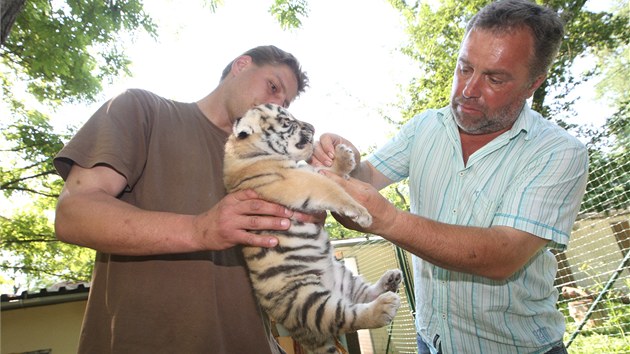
(432, 117)
(435, 113)
(548, 131)
(142, 95)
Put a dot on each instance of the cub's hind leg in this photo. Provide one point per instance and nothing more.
(357, 290)
(389, 282)
(324, 315)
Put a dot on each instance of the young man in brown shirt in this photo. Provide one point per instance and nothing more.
(144, 189)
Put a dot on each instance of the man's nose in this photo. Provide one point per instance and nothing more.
(471, 89)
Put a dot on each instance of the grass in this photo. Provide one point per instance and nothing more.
(595, 343)
(613, 336)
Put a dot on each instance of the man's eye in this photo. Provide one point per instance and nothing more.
(495, 81)
(273, 86)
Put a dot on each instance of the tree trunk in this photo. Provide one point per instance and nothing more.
(10, 10)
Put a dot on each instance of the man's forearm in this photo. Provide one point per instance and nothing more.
(367, 173)
(495, 252)
(106, 224)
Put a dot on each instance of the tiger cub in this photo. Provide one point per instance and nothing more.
(298, 282)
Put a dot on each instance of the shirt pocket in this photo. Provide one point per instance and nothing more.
(483, 210)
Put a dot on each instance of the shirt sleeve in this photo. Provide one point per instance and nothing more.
(116, 136)
(545, 197)
(393, 159)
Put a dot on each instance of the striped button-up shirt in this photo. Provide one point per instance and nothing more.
(531, 178)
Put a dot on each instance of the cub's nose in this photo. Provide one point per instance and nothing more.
(306, 136)
(309, 127)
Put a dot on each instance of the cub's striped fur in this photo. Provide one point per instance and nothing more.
(298, 282)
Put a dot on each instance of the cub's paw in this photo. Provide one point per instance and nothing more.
(363, 219)
(358, 214)
(344, 161)
(387, 305)
(390, 281)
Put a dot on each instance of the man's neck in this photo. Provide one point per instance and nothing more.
(473, 142)
(214, 109)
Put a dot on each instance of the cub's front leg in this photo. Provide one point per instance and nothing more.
(306, 190)
(344, 161)
(343, 164)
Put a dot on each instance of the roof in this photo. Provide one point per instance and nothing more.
(56, 294)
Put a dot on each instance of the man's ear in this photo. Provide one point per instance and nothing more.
(241, 63)
(536, 84)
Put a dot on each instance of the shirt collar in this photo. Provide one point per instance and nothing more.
(526, 123)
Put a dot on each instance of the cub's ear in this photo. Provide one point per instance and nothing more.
(241, 129)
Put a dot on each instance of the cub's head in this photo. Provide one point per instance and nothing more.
(271, 130)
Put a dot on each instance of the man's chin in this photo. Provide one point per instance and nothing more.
(470, 119)
(471, 126)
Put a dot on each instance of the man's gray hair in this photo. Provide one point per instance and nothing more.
(546, 27)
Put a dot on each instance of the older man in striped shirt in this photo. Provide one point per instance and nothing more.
(494, 187)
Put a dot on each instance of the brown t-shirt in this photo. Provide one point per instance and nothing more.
(172, 157)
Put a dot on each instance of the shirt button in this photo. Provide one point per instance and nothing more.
(462, 173)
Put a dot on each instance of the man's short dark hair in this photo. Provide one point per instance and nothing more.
(545, 25)
(272, 55)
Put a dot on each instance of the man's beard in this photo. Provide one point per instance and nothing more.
(490, 122)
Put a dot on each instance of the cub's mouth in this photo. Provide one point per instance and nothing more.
(306, 136)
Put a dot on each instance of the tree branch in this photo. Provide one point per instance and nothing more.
(22, 179)
(39, 270)
(31, 191)
(10, 10)
(29, 241)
